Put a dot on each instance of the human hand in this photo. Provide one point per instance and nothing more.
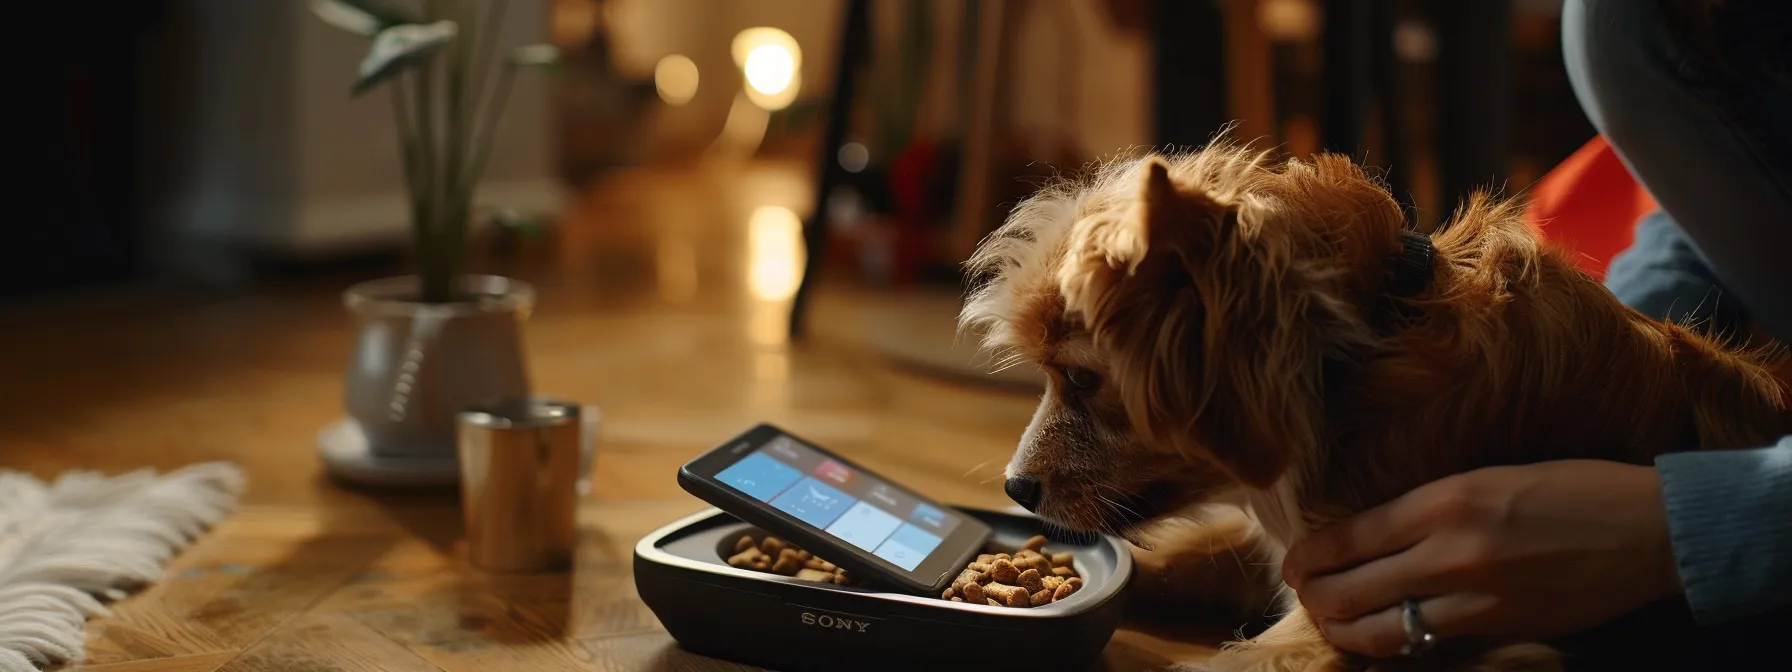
(1502, 552)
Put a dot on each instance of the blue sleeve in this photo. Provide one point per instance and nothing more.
(1665, 276)
(1729, 512)
(1730, 520)
(1707, 134)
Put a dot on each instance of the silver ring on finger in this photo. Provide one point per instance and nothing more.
(1418, 639)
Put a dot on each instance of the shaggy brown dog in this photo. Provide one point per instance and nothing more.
(1219, 328)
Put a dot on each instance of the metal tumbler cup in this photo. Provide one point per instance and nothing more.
(520, 463)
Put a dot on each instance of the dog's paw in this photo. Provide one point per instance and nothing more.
(1216, 566)
(1186, 667)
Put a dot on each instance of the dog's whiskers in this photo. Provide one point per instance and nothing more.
(974, 469)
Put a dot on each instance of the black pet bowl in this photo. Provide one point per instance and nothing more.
(783, 623)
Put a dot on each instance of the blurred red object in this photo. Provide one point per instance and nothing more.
(1590, 203)
(913, 172)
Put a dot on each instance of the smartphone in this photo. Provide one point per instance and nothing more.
(837, 510)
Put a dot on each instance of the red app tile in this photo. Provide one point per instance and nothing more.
(834, 472)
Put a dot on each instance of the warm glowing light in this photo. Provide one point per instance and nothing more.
(769, 324)
(775, 253)
(742, 131)
(1289, 20)
(769, 69)
(772, 64)
(854, 157)
(1415, 42)
(675, 77)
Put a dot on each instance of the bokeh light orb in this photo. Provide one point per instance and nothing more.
(675, 77)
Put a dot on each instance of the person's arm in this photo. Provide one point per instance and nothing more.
(1714, 150)
(1730, 519)
(1552, 548)
(1663, 275)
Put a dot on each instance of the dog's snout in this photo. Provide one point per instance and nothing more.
(1024, 491)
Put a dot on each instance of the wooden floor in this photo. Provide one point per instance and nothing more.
(663, 300)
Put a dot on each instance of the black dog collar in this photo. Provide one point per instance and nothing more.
(1412, 267)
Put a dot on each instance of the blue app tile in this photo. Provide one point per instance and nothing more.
(760, 476)
(813, 502)
(929, 516)
(864, 526)
(899, 555)
(916, 538)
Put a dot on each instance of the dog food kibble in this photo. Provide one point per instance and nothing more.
(747, 558)
(776, 556)
(789, 562)
(1029, 577)
(1028, 560)
(1067, 588)
(969, 576)
(1013, 596)
(972, 592)
(771, 545)
(1003, 571)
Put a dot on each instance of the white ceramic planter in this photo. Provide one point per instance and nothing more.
(415, 365)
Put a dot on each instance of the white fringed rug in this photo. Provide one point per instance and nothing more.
(67, 547)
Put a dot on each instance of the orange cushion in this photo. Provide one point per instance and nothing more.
(1590, 204)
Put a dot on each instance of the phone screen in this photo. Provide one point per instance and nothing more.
(845, 503)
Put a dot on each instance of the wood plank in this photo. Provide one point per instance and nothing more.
(199, 662)
(653, 651)
(227, 592)
(326, 642)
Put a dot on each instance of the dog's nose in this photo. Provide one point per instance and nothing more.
(1024, 491)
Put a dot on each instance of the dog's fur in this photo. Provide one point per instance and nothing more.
(1216, 327)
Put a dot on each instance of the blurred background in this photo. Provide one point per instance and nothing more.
(748, 210)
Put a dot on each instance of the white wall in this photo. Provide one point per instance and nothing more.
(351, 181)
(1070, 47)
(260, 146)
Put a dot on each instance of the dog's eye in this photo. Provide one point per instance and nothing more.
(1082, 380)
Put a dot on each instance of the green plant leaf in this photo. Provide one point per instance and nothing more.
(520, 225)
(534, 56)
(361, 17)
(399, 47)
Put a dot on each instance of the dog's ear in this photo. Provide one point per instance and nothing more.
(1165, 228)
(1174, 294)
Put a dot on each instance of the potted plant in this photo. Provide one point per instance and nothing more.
(432, 343)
